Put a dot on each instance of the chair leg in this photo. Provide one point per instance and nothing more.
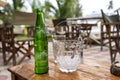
(87, 42)
(27, 50)
(14, 58)
(28, 53)
(101, 45)
(4, 58)
(113, 56)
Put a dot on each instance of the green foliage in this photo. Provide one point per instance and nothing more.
(47, 9)
(35, 4)
(18, 4)
(64, 9)
(9, 10)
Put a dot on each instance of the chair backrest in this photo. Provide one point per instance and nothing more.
(69, 31)
(109, 19)
(61, 22)
(23, 18)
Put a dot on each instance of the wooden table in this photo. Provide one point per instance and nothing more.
(88, 70)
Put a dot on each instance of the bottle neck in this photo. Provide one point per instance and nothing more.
(40, 19)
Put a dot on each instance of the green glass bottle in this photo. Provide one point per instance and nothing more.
(40, 45)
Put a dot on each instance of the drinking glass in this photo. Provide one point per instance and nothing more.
(68, 54)
(56, 39)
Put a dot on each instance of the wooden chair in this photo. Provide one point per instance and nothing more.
(19, 45)
(8, 45)
(3, 12)
(85, 29)
(107, 19)
(111, 32)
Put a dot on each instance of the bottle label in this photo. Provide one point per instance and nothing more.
(41, 59)
(41, 55)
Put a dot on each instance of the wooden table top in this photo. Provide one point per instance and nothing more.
(88, 70)
(86, 24)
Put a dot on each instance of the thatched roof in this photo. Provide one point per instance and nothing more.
(3, 4)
